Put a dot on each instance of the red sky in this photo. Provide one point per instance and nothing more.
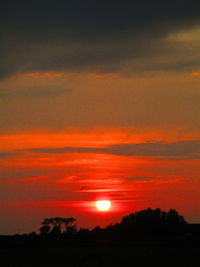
(47, 173)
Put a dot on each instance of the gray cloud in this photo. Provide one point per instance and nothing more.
(4, 154)
(157, 149)
(182, 148)
(139, 178)
(84, 35)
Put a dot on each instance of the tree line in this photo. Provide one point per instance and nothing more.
(147, 221)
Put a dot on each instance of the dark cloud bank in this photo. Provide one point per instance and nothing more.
(182, 148)
(85, 35)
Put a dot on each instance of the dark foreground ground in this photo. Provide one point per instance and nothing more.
(77, 256)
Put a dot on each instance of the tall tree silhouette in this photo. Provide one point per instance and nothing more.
(54, 225)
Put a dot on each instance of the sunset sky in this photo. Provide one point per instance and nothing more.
(98, 100)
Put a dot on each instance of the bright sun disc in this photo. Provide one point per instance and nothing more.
(103, 205)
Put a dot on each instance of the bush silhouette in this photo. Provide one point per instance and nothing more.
(152, 221)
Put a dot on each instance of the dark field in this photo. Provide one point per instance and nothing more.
(75, 256)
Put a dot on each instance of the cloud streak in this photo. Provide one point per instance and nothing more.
(195, 73)
(4, 154)
(41, 75)
(182, 148)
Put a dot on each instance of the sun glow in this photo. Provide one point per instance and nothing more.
(103, 205)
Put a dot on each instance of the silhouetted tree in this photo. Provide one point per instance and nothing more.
(56, 230)
(54, 225)
(70, 224)
(44, 229)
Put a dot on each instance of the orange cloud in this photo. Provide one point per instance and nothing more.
(100, 75)
(195, 73)
(97, 137)
(46, 75)
(40, 75)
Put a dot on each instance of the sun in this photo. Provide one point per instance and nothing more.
(103, 205)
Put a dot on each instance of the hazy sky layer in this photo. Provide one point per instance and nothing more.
(98, 99)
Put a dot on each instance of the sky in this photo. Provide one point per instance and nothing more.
(98, 100)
